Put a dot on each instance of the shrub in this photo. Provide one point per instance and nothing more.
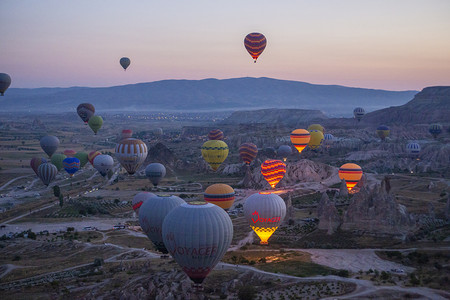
(246, 292)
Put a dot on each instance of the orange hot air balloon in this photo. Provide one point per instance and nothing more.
(255, 43)
(273, 171)
(300, 138)
(351, 173)
(220, 194)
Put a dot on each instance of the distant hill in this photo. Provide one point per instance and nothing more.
(206, 95)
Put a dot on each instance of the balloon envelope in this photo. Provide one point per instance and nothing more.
(197, 236)
(248, 152)
(220, 194)
(49, 144)
(413, 148)
(316, 127)
(139, 199)
(359, 112)
(69, 153)
(383, 131)
(126, 134)
(316, 139)
(151, 217)
(351, 173)
(5, 82)
(300, 139)
(215, 134)
(95, 123)
(273, 171)
(35, 162)
(57, 160)
(47, 172)
(255, 43)
(83, 157)
(103, 163)
(435, 130)
(85, 111)
(214, 152)
(131, 153)
(125, 62)
(93, 155)
(71, 165)
(155, 172)
(284, 151)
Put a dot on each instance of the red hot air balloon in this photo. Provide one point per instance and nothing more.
(126, 134)
(248, 152)
(273, 171)
(215, 134)
(85, 111)
(255, 43)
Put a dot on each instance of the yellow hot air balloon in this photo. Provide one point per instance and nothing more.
(316, 127)
(220, 194)
(300, 138)
(214, 152)
(316, 139)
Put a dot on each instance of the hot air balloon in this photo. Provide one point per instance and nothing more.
(255, 43)
(36, 162)
(273, 171)
(328, 139)
(316, 139)
(359, 112)
(383, 132)
(316, 127)
(300, 138)
(125, 62)
(155, 172)
(151, 217)
(248, 152)
(95, 123)
(214, 152)
(93, 155)
(264, 213)
(220, 194)
(5, 82)
(126, 134)
(85, 111)
(284, 151)
(158, 131)
(351, 173)
(103, 163)
(197, 236)
(47, 172)
(270, 152)
(215, 134)
(131, 153)
(57, 161)
(49, 144)
(413, 148)
(69, 153)
(139, 199)
(83, 157)
(71, 165)
(435, 130)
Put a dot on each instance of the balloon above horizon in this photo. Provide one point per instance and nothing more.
(5, 82)
(255, 43)
(125, 62)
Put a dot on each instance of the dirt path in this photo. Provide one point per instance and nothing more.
(12, 180)
(244, 241)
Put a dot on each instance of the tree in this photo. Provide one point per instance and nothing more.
(56, 191)
(61, 200)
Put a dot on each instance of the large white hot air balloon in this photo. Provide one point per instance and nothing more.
(197, 236)
(264, 212)
(103, 163)
(151, 217)
(131, 153)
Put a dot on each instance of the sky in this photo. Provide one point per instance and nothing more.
(382, 44)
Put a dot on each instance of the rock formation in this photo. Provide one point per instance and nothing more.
(329, 218)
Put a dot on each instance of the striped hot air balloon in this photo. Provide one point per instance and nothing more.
(214, 152)
(273, 171)
(248, 152)
(215, 134)
(359, 112)
(85, 111)
(93, 155)
(435, 130)
(139, 199)
(47, 172)
(131, 153)
(351, 173)
(264, 213)
(300, 139)
(35, 162)
(71, 165)
(255, 43)
(220, 194)
(383, 132)
(155, 172)
(69, 153)
(413, 148)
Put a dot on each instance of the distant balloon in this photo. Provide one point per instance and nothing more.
(300, 138)
(197, 236)
(131, 154)
(5, 82)
(248, 152)
(255, 43)
(328, 137)
(49, 144)
(273, 171)
(139, 199)
(36, 162)
(158, 131)
(215, 134)
(359, 112)
(220, 194)
(351, 173)
(284, 151)
(95, 123)
(316, 127)
(126, 134)
(271, 152)
(57, 161)
(155, 172)
(152, 214)
(69, 153)
(383, 132)
(71, 165)
(125, 62)
(47, 172)
(85, 111)
(93, 155)
(83, 157)
(413, 148)
(214, 152)
(316, 139)
(103, 164)
(435, 130)
(264, 212)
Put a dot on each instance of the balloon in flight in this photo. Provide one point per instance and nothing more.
(93, 155)
(316, 127)
(413, 148)
(95, 123)
(383, 132)
(35, 162)
(69, 153)
(57, 160)
(220, 194)
(139, 199)
(131, 154)
(49, 144)
(255, 43)
(125, 62)
(103, 163)
(284, 151)
(273, 171)
(83, 157)
(155, 172)
(47, 172)
(126, 134)
(5, 82)
(85, 111)
(351, 173)
(359, 112)
(435, 130)
(300, 139)
(215, 134)
(214, 152)
(316, 139)
(71, 165)
(248, 152)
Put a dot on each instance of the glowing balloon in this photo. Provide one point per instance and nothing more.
(151, 217)
(255, 43)
(93, 155)
(57, 160)
(214, 152)
(139, 199)
(125, 62)
(103, 164)
(284, 151)
(248, 152)
(71, 165)
(85, 111)
(300, 138)
(351, 173)
(155, 172)
(47, 172)
(220, 194)
(264, 212)
(83, 157)
(197, 236)
(95, 123)
(435, 130)
(49, 144)
(359, 112)
(215, 134)
(131, 153)
(36, 162)
(316, 139)
(273, 171)
(316, 127)
(383, 132)
(69, 153)
(5, 82)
